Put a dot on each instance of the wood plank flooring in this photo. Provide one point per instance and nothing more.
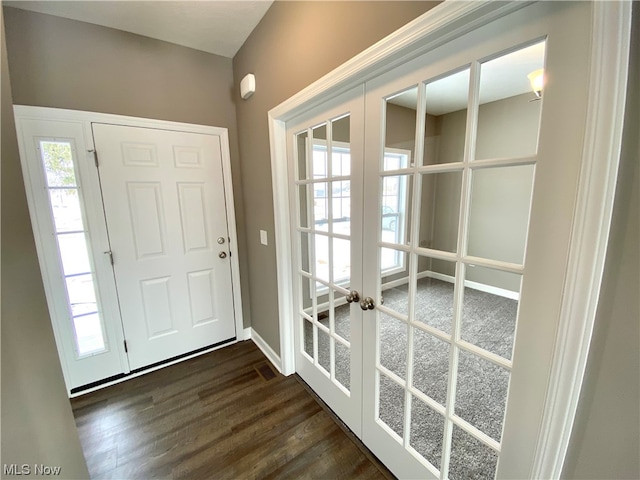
(224, 415)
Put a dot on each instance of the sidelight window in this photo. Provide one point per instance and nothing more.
(71, 235)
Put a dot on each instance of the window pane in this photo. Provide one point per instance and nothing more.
(395, 209)
(440, 210)
(430, 365)
(82, 294)
(427, 431)
(470, 458)
(391, 404)
(434, 293)
(322, 257)
(508, 117)
(393, 344)
(320, 152)
(303, 205)
(400, 129)
(481, 393)
(324, 350)
(301, 149)
(499, 214)
(340, 156)
(446, 119)
(58, 163)
(321, 206)
(490, 308)
(89, 334)
(65, 204)
(341, 206)
(343, 365)
(73, 253)
(341, 261)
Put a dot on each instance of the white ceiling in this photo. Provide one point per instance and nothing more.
(502, 77)
(215, 26)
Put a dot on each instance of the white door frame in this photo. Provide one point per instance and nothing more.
(85, 119)
(611, 23)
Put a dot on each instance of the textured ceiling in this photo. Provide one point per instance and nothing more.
(218, 27)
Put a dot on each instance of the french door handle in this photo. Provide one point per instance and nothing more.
(368, 304)
(353, 296)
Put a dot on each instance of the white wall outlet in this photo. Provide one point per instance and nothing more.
(263, 237)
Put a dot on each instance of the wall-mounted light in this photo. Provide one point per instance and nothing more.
(536, 78)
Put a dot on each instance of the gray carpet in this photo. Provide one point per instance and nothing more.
(488, 321)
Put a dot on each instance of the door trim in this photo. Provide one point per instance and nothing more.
(611, 23)
(85, 119)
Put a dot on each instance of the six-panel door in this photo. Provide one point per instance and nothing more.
(164, 203)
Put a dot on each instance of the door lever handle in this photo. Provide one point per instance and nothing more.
(368, 304)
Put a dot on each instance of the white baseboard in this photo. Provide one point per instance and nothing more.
(246, 334)
(501, 292)
(272, 356)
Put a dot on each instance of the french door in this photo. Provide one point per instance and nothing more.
(428, 294)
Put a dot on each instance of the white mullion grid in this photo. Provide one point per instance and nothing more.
(332, 352)
(503, 162)
(485, 354)
(465, 201)
(434, 405)
(437, 254)
(296, 157)
(475, 433)
(394, 246)
(493, 264)
(340, 236)
(394, 314)
(440, 335)
(413, 267)
(394, 376)
(441, 168)
(414, 240)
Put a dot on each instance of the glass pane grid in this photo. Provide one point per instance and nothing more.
(73, 245)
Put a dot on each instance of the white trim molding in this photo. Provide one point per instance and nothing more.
(605, 113)
(271, 355)
(592, 222)
(84, 121)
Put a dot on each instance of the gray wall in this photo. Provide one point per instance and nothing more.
(295, 44)
(605, 442)
(37, 423)
(62, 63)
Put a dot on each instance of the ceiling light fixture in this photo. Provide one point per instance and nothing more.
(536, 78)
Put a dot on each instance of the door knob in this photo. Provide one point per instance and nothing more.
(222, 254)
(220, 240)
(367, 304)
(353, 296)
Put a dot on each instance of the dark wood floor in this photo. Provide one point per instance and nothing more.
(223, 415)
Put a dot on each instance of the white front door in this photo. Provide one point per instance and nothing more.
(159, 204)
(469, 182)
(164, 203)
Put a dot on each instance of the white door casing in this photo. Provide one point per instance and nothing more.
(610, 33)
(74, 127)
(164, 201)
